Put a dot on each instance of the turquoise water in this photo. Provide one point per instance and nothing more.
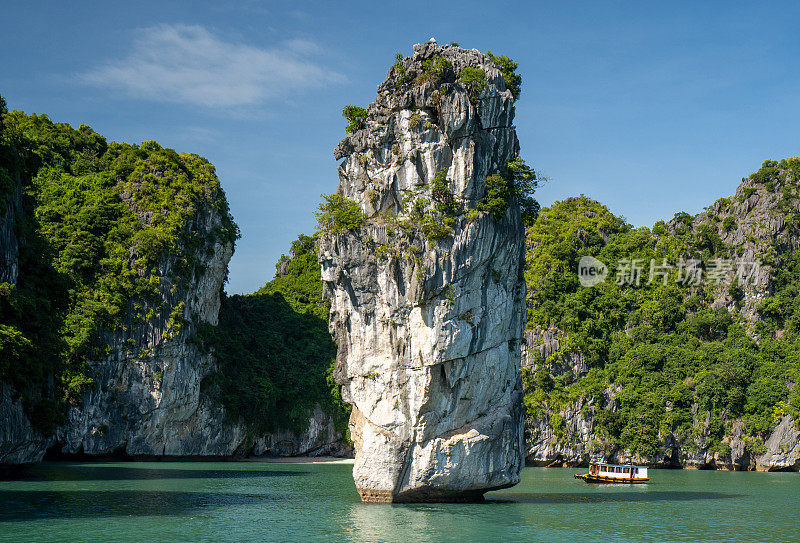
(243, 501)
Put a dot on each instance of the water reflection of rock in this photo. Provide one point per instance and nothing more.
(434, 522)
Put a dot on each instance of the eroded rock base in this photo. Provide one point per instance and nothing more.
(420, 495)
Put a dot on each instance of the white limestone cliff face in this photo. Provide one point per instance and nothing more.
(428, 331)
(148, 400)
(782, 447)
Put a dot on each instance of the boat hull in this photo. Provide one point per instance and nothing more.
(591, 478)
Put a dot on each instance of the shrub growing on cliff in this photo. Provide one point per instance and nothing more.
(508, 68)
(338, 213)
(414, 120)
(356, 118)
(403, 77)
(499, 192)
(442, 195)
(474, 79)
(434, 69)
(517, 181)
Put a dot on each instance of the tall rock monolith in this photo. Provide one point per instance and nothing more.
(425, 281)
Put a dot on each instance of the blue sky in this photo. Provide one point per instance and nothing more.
(649, 107)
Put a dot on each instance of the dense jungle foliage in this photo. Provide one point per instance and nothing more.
(660, 346)
(274, 351)
(96, 219)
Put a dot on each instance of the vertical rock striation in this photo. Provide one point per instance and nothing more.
(428, 301)
(148, 400)
(112, 262)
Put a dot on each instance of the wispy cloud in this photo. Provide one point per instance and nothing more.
(189, 64)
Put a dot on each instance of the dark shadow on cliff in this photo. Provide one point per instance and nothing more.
(585, 497)
(37, 505)
(72, 472)
(273, 360)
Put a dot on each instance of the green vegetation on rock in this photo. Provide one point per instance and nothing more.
(434, 69)
(474, 79)
(508, 68)
(337, 213)
(355, 116)
(97, 221)
(516, 181)
(670, 358)
(274, 351)
(301, 284)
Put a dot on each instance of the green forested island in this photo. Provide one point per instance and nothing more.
(94, 220)
(104, 248)
(667, 366)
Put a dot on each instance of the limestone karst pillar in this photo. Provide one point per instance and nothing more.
(427, 297)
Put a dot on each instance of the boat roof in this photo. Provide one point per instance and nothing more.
(617, 465)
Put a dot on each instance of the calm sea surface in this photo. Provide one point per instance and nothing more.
(242, 501)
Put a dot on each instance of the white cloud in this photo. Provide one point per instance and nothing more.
(189, 64)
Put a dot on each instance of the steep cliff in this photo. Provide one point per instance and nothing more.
(695, 374)
(113, 262)
(20, 441)
(147, 399)
(275, 357)
(422, 263)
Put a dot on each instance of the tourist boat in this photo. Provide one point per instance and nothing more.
(612, 473)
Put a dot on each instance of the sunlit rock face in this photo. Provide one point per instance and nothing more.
(428, 326)
(148, 401)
